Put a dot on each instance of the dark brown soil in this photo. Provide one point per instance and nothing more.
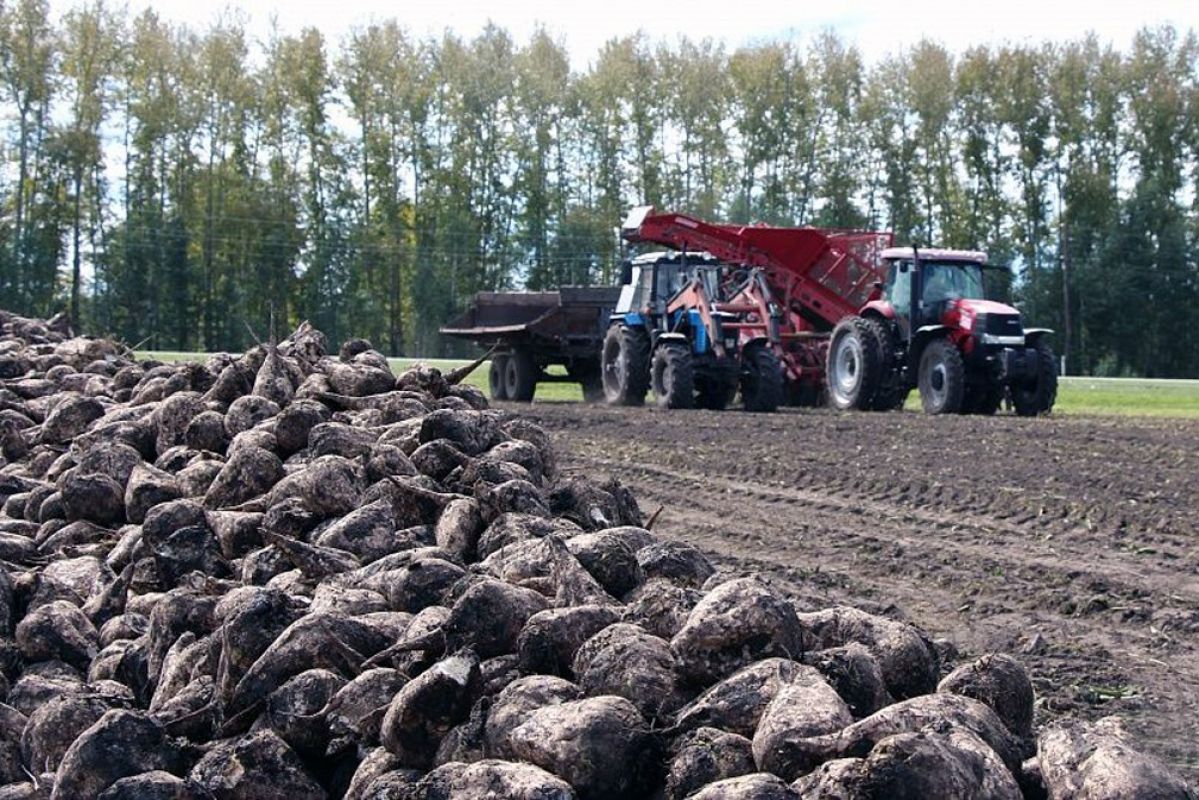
(1068, 542)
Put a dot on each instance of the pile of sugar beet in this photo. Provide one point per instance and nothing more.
(291, 574)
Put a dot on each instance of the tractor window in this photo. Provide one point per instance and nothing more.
(899, 288)
(950, 281)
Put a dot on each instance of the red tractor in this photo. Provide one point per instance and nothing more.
(931, 327)
(863, 322)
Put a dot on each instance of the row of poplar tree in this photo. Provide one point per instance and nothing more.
(175, 187)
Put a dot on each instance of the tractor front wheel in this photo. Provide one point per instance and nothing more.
(625, 366)
(761, 379)
(1039, 396)
(853, 365)
(673, 377)
(942, 378)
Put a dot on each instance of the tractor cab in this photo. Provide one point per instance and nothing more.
(651, 280)
(944, 289)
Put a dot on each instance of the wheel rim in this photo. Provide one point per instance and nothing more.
(937, 383)
(846, 367)
(613, 369)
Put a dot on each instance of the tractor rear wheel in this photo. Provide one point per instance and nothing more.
(625, 366)
(495, 378)
(942, 378)
(520, 376)
(673, 376)
(761, 378)
(1038, 397)
(853, 365)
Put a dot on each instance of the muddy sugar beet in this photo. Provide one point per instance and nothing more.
(290, 573)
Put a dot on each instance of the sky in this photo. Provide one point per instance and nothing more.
(877, 28)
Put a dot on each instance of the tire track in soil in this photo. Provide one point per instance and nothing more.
(1098, 596)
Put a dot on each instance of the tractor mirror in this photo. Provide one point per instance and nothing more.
(626, 273)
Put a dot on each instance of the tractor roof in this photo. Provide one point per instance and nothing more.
(935, 254)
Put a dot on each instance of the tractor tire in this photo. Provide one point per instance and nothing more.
(853, 365)
(673, 376)
(761, 379)
(1039, 397)
(984, 399)
(625, 366)
(890, 394)
(495, 378)
(716, 389)
(942, 378)
(520, 376)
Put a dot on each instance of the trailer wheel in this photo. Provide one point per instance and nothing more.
(625, 366)
(761, 379)
(942, 378)
(1038, 397)
(495, 378)
(853, 365)
(520, 376)
(673, 377)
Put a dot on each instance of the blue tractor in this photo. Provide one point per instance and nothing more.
(668, 334)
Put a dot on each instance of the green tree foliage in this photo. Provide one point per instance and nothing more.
(186, 187)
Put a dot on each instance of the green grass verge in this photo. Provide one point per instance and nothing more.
(1103, 396)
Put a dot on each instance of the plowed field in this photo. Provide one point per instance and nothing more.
(1069, 542)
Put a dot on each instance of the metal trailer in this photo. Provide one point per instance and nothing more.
(531, 331)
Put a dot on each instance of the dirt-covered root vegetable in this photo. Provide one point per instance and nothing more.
(794, 756)
(624, 660)
(1094, 761)
(119, 745)
(459, 527)
(573, 585)
(54, 725)
(489, 616)
(704, 756)
(258, 766)
(595, 506)
(758, 786)
(248, 630)
(599, 745)
(907, 657)
(428, 706)
(804, 707)
(513, 705)
(855, 674)
(295, 710)
(329, 486)
(677, 562)
(610, 558)
(248, 473)
(736, 623)
(660, 606)
(355, 713)
(73, 415)
(549, 640)
(1001, 682)
(156, 785)
(58, 630)
(317, 640)
(489, 778)
(93, 497)
(510, 528)
(423, 583)
(737, 703)
(937, 761)
(376, 763)
(148, 487)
